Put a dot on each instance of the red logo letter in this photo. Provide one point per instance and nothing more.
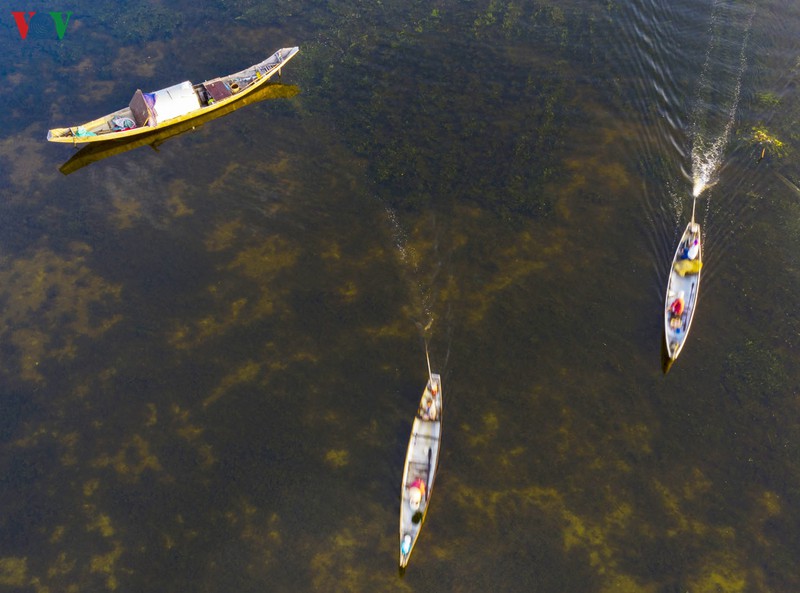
(23, 24)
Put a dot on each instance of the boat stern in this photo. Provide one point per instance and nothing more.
(406, 544)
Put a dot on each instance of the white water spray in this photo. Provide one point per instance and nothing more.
(399, 237)
(707, 152)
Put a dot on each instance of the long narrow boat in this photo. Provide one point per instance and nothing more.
(91, 153)
(682, 288)
(149, 112)
(419, 472)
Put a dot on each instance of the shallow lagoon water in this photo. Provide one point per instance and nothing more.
(212, 352)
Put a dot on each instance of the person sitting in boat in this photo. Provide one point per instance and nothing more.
(676, 310)
(428, 409)
(415, 493)
(692, 249)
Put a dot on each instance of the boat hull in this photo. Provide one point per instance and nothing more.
(422, 460)
(683, 282)
(237, 86)
(92, 153)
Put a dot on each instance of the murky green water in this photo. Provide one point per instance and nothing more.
(212, 352)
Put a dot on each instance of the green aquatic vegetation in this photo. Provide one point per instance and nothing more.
(442, 134)
(337, 458)
(761, 135)
(246, 373)
(261, 12)
(132, 459)
(762, 143)
(768, 99)
(487, 18)
(754, 372)
(13, 571)
(723, 573)
(134, 22)
(511, 19)
(53, 294)
(107, 564)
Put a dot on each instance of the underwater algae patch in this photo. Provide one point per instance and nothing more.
(273, 359)
(106, 565)
(129, 60)
(344, 562)
(224, 235)
(13, 571)
(720, 573)
(505, 260)
(25, 155)
(482, 435)
(678, 502)
(595, 505)
(622, 583)
(255, 535)
(133, 458)
(275, 177)
(591, 542)
(240, 305)
(127, 208)
(584, 515)
(94, 528)
(245, 373)
(606, 542)
(50, 301)
(337, 458)
(102, 524)
(81, 554)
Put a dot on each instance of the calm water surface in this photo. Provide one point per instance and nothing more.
(212, 352)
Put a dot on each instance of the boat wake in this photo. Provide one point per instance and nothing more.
(421, 294)
(712, 129)
(421, 264)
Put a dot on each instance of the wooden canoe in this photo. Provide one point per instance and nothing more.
(97, 151)
(422, 459)
(682, 288)
(150, 112)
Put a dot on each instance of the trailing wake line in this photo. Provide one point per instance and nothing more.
(408, 259)
(707, 154)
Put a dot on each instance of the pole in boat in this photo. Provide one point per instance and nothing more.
(430, 458)
(430, 377)
(694, 203)
(428, 359)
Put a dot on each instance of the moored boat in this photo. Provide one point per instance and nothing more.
(92, 153)
(151, 112)
(682, 289)
(422, 459)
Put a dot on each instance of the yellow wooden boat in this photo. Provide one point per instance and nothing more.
(150, 112)
(91, 153)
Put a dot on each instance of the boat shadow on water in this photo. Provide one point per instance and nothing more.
(92, 153)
